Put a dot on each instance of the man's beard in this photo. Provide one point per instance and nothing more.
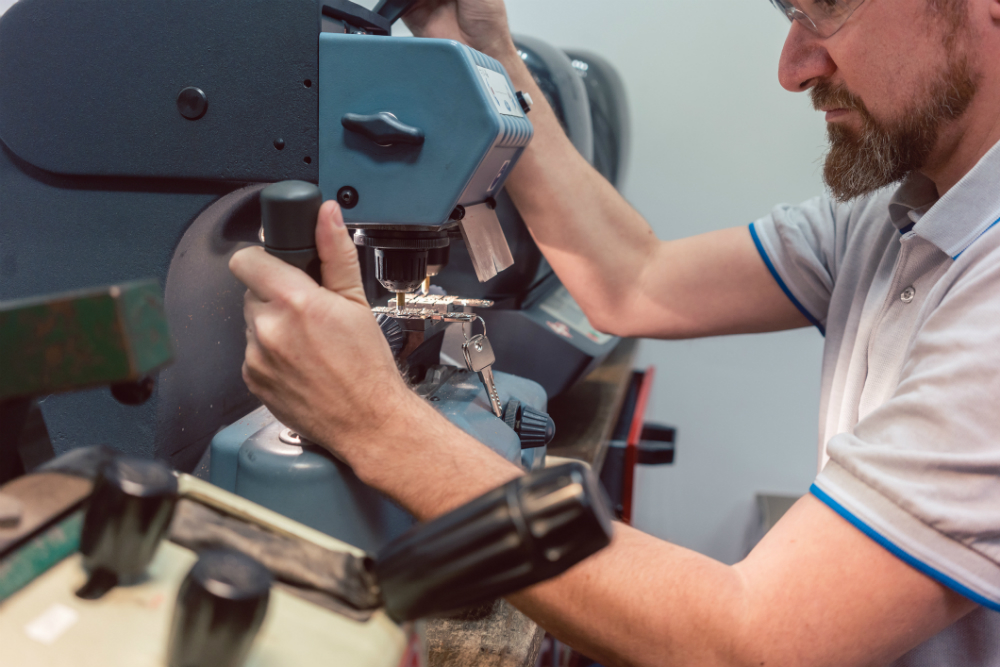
(885, 152)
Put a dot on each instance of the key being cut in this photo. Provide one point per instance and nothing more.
(479, 357)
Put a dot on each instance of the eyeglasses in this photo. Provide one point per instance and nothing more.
(823, 17)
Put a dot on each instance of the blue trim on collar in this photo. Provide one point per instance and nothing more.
(781, 283)
(908, 228)
(992, 225)
(919, 565)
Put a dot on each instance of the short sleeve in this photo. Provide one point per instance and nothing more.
(920, 474)
(799, 245)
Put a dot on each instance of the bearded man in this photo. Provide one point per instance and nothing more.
(894, 556)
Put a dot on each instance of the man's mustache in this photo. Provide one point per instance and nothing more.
(826, 95)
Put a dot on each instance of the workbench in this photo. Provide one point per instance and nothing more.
(500, 635)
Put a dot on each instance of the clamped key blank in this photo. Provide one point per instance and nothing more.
(479, 357)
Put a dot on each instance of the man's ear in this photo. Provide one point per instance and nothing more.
(995, 10)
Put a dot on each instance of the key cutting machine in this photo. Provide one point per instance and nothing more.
(137, 138)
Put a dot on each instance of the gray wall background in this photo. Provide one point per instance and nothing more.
(716, 143)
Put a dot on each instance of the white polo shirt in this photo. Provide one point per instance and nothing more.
(906, 288)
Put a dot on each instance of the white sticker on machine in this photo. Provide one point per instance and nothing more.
(48, 627)
(501, 93)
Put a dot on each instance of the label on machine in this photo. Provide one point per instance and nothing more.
(501, 93)
(565, 309)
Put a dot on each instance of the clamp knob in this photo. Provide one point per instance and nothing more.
(533, 427)
(220, 607)
(129, 513)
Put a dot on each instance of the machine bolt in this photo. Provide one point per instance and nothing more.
(347, 196)
(458, 213)
(290, 437)
(491, 203)
(192, 103)
(279, 144)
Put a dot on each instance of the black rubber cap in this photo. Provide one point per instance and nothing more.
(220, 607)
(288, 213)
(129, 513)
(530, 529)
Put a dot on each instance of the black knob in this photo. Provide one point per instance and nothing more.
(383, 128)
(528, 530)
(393, 332)
(288, 212)
(220, 607)
(129, 513)
(533, 427)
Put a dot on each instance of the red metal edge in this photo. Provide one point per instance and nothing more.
(632, 444)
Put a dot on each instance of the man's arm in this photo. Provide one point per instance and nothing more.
(815, 591)
(627, 282)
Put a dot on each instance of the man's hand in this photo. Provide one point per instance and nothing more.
(481, 24)
(315, 355)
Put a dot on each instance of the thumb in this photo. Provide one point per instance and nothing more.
(338, 256)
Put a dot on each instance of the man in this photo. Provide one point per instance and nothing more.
(895, 555)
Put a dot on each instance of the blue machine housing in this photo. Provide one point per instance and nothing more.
(309, 485)
(435, 85)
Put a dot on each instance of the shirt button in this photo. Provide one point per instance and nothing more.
(907, 295)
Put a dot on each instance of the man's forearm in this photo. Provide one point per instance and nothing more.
(595, 241)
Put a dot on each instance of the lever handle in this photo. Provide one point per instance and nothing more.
(383, 128)
(528, 530)
(393, 10)
(288, 213)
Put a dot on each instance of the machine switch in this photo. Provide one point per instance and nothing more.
(524, 99)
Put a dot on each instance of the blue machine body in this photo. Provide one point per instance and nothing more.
(306, 483)
(462, 100)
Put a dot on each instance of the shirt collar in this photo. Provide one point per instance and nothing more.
(952, 222)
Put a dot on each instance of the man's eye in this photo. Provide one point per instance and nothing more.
(820, 8)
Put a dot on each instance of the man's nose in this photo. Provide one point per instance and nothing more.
(804, 60)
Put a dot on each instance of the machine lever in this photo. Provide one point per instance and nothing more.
(383, 128)
(528, 530)
(288, 212)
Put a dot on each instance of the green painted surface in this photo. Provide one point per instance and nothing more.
(141, 311)
(35, 558)
(78, 339)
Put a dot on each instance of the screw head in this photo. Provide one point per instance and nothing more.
(347, 197)
(478, 346)
(192, 103)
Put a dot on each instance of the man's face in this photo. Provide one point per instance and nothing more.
(911, 99)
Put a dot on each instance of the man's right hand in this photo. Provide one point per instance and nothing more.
(481, 24)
